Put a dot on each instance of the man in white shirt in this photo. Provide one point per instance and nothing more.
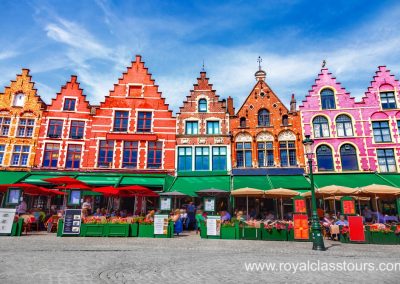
(87, 205)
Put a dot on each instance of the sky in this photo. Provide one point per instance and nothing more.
(97, 39)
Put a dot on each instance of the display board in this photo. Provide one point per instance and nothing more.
(356, 228)
(13, 196)
(299, 205)
(209, 204)
(213, 225)
(300, 227)
(6, 220)
(348, 205)
(72, 222)
(160, 224)
(165, 203)
(74, 198)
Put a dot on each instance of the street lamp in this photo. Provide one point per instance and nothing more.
(318, 241)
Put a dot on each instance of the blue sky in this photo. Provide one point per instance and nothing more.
(97, 40)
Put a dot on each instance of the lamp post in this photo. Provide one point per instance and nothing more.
(317, 239)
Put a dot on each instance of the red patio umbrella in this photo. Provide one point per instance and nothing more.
(52, 191)
(138, 190)
(65, 180)
(74, 186)
(23, 186)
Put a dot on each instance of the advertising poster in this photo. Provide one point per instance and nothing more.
(213, 225)
(209, 204)
(165, 203)
(300, 206)
(356, 229)
(75, 197)
(348, 207)
(72, 222)
(160, 224)
(301, 229)
(6, 220)
(14, 195)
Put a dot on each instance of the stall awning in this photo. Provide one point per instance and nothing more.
(38, 178)
(290, 182)
(189, 185)
(147, 181)
(393, 179)
(349, 180)
(98, 180)
(258, 182)
(8, 177)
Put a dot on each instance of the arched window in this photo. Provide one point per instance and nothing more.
(321, 127)
(348, 155)
(263, 117)
(285, 120)
(202, 105)
(243, 122)
(328, 99)
(344, 126)
(324, 158)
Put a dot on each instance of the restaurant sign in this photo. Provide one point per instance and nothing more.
(160, 224)
(72, 222)
(213, 225)
(6, 220)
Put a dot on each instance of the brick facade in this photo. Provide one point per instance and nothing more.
(196, 132)
(20, 111)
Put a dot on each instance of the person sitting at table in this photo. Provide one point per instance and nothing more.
(225, 216)
(239, 216)
(270, 216)
(87, 205)
(342, 221)
(150, 216)
(98, 213)
(178, 226)
(367, 214)
(21, 208)
(327, 221)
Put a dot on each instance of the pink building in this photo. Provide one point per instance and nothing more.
(349, 135)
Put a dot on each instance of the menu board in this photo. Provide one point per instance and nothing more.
(72, 222)
(301, 229)
(348, 207)
(356, 229)
(14, 196)
(160, 224)
(165, 203)
(213, 225)
(300, 205)
(6, 220)
(74, 197)
(209, 204)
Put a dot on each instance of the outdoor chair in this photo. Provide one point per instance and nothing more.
(334, 231)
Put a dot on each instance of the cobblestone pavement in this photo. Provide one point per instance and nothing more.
(189, 259)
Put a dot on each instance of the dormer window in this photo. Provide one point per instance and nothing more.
(388, 100)
(328, 99)
(202, 105)
(69, 104)
(19, 100)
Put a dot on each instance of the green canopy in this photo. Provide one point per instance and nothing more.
(148, 181)
(99, 179)
(258, 182)
(289, 182)
(189, 185)
(393, 179)
(8, 177)
(350, 180)
(38, 177)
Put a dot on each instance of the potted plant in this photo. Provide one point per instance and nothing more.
(382, 234)
(93, 227)
(116, 227)
(276, 231)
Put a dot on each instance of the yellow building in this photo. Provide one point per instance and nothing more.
(20, 114)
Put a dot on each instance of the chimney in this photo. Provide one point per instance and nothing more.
(231, 109)
(293, 104)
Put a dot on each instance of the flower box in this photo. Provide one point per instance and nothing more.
(249, 233)
(133, 229)
(381, 238)
(116, 230)
(229, 232)
(92, 230)
(274, 234)
(146, 231)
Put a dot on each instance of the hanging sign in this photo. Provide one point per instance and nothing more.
(160, 224)
(213, 225)
(299, 204)
(165, 203)
(348, 205)
(72, 222)
(300, 227)
(13, 196)
(209, 204)
(74, 198)
(6, 220)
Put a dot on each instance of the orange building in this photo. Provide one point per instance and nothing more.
(265, 134)
(20, 114)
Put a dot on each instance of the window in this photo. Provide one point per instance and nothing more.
(265, 154)
(184, 159)
(55, 128)
(388, 100)
(212, 127)
(386, 160)
(243, 122)
(69, 104)
(144, 122)
(263, 117)
(381, 131)
(106, 150)
(243, 154)
(219, 159)
(192, 127)
(202, 105)
(328, 99)
(2, 150)
(348, 155)
(285, 120)
(287, 151)
(321, 127)
(19, 100)
(5, 125)
(20, 155)
(154, 155)
(202, 162)
(121, 121)
(25, 127)
(51, 155)
(344, 126)
(73, 156)
(130, 154)
(324, 158)
(77, 129)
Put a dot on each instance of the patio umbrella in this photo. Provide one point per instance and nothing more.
(280, 193)
(333, 190)
(74, 186)
(64, 180)
(212, 192)
(379, 190)
(248, 191)
(174, 194)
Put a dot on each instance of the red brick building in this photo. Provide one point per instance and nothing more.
(133, 129)
(203, 141)
(65, 129)
(265, 133)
